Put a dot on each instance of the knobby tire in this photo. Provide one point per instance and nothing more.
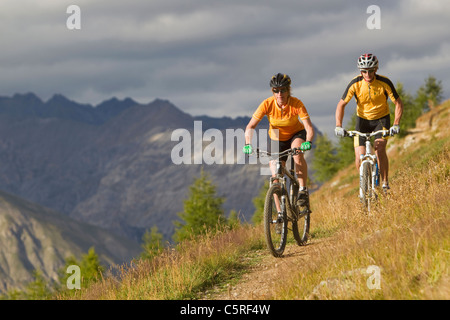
(275, 229)
(366, 185)
(302, 238)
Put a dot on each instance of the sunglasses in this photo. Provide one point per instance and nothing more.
(279, 90)
(368, 71)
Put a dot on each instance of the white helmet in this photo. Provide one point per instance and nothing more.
(367, 61)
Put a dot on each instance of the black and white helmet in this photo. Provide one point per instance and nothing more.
(367, 61)
(280, 80)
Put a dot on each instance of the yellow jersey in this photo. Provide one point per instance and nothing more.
(371, 97)
(284, 123)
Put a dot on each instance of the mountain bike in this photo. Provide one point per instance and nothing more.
(369, 175)
(280, 206)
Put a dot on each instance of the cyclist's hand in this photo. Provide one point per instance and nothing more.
(395, 129)
(305, 146)
(339, 132)
(247, 149)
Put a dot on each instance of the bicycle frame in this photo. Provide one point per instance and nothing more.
(281, 173)
(280, 208)
(369, 163)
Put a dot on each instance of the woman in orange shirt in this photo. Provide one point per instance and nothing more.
(284, 113)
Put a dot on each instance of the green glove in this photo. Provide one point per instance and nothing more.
(247, 149)
(305, 146)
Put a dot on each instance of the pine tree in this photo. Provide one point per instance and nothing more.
(202, 210)
(90, 268)
(233, 219)
(411, 110)
(258, 202)
(346, 148)
(37, 289)
(326, 161)
(152, 243)
(429, 94)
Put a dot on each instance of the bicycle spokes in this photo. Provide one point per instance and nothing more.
(275, 221)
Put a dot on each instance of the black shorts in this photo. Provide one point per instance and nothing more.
(367, 126)
(285, 145)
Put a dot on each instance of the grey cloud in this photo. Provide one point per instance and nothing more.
(216, 57)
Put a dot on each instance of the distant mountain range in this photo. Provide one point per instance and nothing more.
(110, 165)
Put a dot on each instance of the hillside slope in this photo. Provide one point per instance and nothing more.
(405, 242)
(400, 251)
(36, 238)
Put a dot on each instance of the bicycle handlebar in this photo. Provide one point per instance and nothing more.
(353, 133)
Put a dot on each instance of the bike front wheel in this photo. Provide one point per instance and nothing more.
(275, 221)
(366, 185)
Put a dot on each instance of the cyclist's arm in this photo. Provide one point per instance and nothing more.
(309, 129)
(249, 130)
(340, 112)
(398, 111)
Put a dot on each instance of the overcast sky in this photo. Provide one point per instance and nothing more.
(216, 57)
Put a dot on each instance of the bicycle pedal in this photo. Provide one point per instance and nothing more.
(303, 211)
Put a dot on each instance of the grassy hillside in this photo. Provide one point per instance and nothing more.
(33, 237)
(407, 237)
(400, 251)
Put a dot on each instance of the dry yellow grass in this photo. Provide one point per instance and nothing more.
(406, 238)
(400, 251)
(178, 273)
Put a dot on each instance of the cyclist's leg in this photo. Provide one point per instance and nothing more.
(383, 161)
(301, 170)
(362, 125)
(380, 149)
(277, 146)
(301, 167)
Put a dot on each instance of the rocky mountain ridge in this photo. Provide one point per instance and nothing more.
(33, 237)
(110, 165)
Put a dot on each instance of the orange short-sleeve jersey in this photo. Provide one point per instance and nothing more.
(284, 123)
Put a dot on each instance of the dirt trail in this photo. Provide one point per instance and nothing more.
(264, 276)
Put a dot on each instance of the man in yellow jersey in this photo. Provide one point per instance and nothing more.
(284, 113)
(371, 92)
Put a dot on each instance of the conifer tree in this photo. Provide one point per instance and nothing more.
(258, 202)
(411, 110)
(90, 268)
(429, 94)
(152, 243)
(202, 210)
(37, 289)
(326, 161)
(346, 148)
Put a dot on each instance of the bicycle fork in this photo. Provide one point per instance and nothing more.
(370, 161)
(280, 204)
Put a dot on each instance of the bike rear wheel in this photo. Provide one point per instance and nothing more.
(300, 221)
(301, 224)
(275, 222)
